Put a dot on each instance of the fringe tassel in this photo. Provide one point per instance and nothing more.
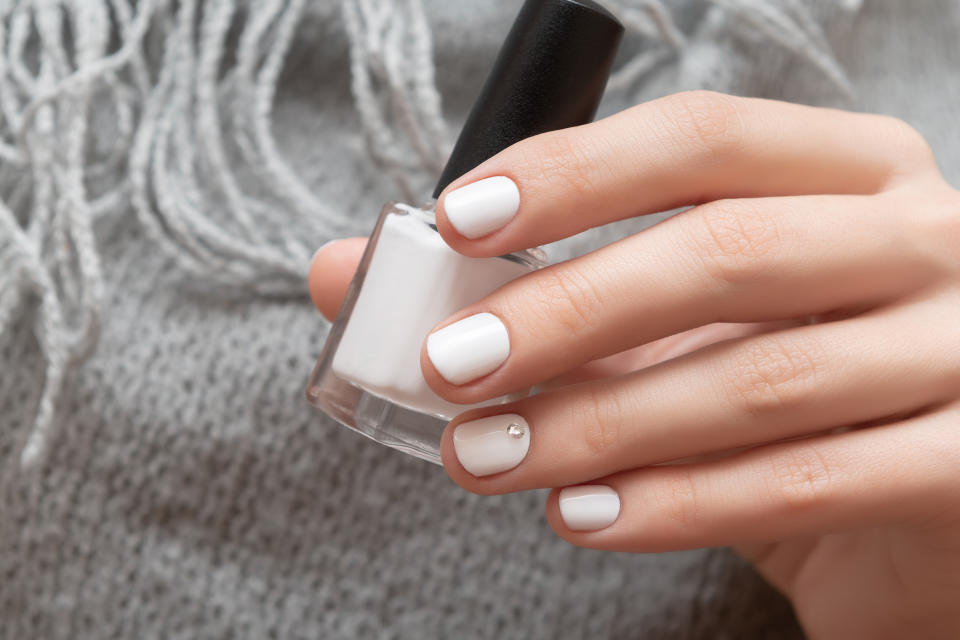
(184, 129)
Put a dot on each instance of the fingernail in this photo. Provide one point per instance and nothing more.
(469, 348)
(492, 445)
(483, 206)
(589, 507)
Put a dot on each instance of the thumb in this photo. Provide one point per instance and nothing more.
(331, 270)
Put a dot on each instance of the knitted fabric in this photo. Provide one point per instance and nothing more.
(166, 170)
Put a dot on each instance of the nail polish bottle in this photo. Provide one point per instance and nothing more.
(550, 74)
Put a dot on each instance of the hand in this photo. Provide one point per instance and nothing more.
(777, 368)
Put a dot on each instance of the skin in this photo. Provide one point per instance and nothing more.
(790, 344)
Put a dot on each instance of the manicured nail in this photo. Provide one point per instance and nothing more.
(483, 206)
(469, 348)
(589, 507)
(491, 445)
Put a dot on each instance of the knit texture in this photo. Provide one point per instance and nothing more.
(166, 170)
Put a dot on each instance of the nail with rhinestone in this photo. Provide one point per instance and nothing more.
(493, 444)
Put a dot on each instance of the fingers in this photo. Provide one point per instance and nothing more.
(684, 149)
(731, 261)
(782, 385)
(331, 270)
(895, 474)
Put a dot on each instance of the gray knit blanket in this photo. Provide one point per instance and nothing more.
(167, 168)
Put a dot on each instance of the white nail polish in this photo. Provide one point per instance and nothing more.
(493, 444)
(470, 348)
(408, 280)
(483, 206)
(589, 507)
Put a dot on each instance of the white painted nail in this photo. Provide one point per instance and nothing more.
(589, 507)
(469, 348)
(492, 445)
(483, 206)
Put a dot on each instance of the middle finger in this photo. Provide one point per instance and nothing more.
(729, 261)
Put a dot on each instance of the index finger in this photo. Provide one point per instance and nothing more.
(684, 149)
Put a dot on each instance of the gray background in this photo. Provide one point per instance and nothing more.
(190, 491)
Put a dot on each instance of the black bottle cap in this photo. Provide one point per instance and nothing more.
(550, 74)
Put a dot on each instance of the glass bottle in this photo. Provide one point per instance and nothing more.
(368, 376)
(550, 74)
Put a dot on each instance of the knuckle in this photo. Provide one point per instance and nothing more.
(802, 479)
(712, 121)
(921, 226)
(737, 241)
(948, 340)
(677, 497)
(775, 375)
(908, 145)
(922, 229)
(949, 219)
(601, 416)
(939, 231)
(569, 298)
(562, 160)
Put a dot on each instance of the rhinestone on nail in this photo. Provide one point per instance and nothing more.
(515, 430)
